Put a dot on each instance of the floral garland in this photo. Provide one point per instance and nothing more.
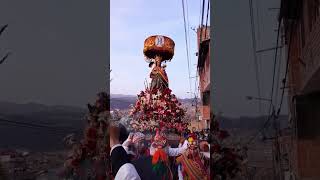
(225, 161)
(154, 109)
(89, 157)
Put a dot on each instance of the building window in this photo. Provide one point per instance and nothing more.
(308, 112)
(206, 98)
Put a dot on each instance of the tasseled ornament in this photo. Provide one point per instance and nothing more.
(159, 161)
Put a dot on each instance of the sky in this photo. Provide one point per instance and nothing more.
(58, 50)
(233, 62)
(131, 22)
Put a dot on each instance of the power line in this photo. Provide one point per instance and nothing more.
(258, 20)
(186, 40)
(256, 65)
(274, 64)
(286, 73)
(202, 13)
(271, 104)
(205, 31)
(33, 125)
(30, 127)
(201, 26)
(278, 74)
(3, 28)
(259, 39)
(188, 29)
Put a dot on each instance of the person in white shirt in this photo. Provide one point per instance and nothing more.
(122, 169)
(180, 176)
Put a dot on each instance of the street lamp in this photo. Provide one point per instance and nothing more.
(256, 98)
(262, 99)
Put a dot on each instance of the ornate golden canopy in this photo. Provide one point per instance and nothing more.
(158, 45)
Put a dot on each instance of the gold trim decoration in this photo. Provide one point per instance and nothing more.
(158, 45)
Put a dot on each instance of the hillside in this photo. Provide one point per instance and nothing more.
(36, 126)
(41, 128)
(120, 101)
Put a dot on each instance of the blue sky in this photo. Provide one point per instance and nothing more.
(131, 22)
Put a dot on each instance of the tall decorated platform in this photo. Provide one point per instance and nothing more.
(156, 106)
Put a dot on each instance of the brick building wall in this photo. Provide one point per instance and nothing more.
(304, 85)
(203, 33)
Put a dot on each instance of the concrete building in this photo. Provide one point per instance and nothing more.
(301, 22)
(203, 36)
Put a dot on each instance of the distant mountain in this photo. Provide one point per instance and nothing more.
(38, 127)
(120, 101)
(41, 127)
(249, 125)
(122, 96)
(27, 108)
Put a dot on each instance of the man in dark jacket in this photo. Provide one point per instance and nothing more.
(122, 169)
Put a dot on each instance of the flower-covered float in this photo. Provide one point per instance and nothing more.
(156, 106)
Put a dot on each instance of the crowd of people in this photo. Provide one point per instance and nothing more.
(134, 157)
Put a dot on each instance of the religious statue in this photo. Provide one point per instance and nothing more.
(159, 76)
(157, 107)
(156, 50)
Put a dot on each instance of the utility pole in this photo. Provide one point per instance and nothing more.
(277, 174)
(277, 157)
(196, 109)
(197, 112)
(274, 149)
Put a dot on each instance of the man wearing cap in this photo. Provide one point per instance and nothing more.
(135, 145)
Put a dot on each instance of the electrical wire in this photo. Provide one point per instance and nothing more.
(33, 125)
(278, 74)
(186, 40)
(256, 63)
(274, 65)
(200, 40)
(286, 73)
(258, 20)
(30, 127)
(271, 113)
(205, 31)
(200, 12)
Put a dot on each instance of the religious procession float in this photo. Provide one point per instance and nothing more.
(158, 111)
(157, 106)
